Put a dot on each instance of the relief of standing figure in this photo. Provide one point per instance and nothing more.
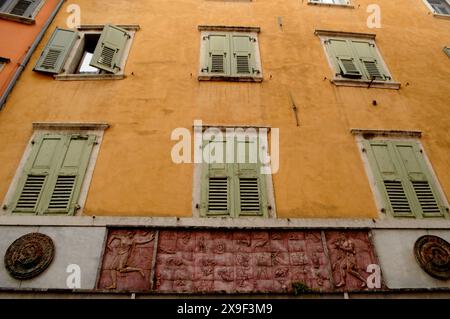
(346, 261)
(122, 253)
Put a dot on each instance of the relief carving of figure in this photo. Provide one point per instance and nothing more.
(122, 253)
(346, 261)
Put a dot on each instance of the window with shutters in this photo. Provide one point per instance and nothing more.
(341, 3)
(90, 52)
(20, 10)
(404, 180)
(230, 53)
(54, 171)
(231, 182)
(355, 60)
(440, 8)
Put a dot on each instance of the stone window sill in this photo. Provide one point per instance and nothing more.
(341, 5)
(366, 84)
(13, 17)
(442, 16)
(88, 77)
(230, 78)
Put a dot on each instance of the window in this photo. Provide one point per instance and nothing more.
(95, 52)
(54, 170)
(330, 2)
(447, 51)
(403, 178)
(20, 10)
(355, 60)
(439, 7)
(3, 62)
(232, 180)
(230, 53)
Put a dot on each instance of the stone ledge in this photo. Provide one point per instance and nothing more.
(330, 33)
(230, 78)
(16, 18)
(88, 77)
(366, 84)
(228, 28)
(128, 27)
(97, 126)
(338, 5)
(391, 133)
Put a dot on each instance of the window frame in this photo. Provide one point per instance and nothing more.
(198, 179)
(8, 6)
(338, 80)
(40, 129)
(361, 136)
(435, 13)
(252, 32)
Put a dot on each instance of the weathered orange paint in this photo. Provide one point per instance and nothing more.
(321, 172)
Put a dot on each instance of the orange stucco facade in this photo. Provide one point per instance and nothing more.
(321, 171)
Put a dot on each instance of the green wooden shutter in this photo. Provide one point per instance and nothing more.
(110, 48)
(69, 174)
(369, 59)
(249, 184)
(4, 4)
(216, 184)
(447, 51)
(58, 48)
(33, 183)
(427, 201)
(390, 178)
(24, 8)
(218, 53)
(243, 57)
(343, 58)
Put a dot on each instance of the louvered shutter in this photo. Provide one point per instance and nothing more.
(243, 57)
(69, 174)
(440, 6)
(33, 184)
(58, 48)
(344, 59)
(249, 184)
(389, 177)
(110, 48)
(369, 59)
(4, 4)
(24, 8)
(447, 51)
(217, 54)
(216, 197)
(421, 182)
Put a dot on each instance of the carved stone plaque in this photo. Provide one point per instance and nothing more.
(127, 261)
(29, 256)
(433, 255)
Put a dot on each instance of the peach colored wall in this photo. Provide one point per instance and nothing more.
(16, 38)
(321, 173)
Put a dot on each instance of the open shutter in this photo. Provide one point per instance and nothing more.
(216, 182)
(58, 48)
(447, 51)
(33, 184)
(110, 48)
(243, 58)
(249, 190)
(4, 4)
(370, 61)
(423, 187)
(440, 6)
(344, 59)
(69, 175)
(217, 54)
(24, 8)
(389, 177)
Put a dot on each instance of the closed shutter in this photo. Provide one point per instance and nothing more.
(344, 59)
(427, 200)
(249, 188)
(34, 181)
(390, 179)
(243, 58)
(217, 54)
(24, 8)
(69, 174)
(110, 49)
(4, 4)
(216, 183)
(369, 59)
(58, 48)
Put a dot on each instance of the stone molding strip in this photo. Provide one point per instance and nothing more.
(70, 126)
(330, 33)
(129, 27)
(228, 28)
(390, 133)
(231, 223)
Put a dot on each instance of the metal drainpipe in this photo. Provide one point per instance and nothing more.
(29, 53)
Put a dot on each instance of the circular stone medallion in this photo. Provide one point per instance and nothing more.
(29, 255)
(433, 255)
